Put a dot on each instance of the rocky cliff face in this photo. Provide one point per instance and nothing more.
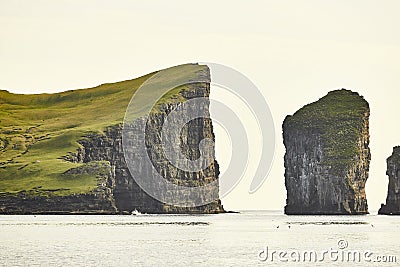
(392, 206)
(327, 156)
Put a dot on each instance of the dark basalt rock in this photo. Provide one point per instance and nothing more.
(392, 206)
(327, 156)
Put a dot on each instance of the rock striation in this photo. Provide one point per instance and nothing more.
(327, 155)
(392, 206)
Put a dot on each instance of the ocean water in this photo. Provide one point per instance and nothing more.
(251, 238)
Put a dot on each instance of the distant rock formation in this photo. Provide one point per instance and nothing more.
(392, 206)
(327, 156)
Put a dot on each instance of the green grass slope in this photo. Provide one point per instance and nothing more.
(37, 130)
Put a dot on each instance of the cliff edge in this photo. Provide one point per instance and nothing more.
(327, 155)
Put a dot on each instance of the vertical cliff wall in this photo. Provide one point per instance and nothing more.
(392, 206)
(327, 156)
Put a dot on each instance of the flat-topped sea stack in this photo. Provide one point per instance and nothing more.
(63, 153)
(392, 206)
(327, 156)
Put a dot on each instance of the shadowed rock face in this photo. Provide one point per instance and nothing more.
(392, 206)
(327, 156)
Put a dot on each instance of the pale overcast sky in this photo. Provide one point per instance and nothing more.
(295, 51)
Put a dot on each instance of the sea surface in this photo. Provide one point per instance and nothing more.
(250, 238)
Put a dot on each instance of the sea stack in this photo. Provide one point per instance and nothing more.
(327, 156)
(392, 206)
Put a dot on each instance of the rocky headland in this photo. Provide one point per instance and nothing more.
(62, 153)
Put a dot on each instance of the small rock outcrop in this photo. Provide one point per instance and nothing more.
(327, 156)
(392, 206)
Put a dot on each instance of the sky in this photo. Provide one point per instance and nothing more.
(294, 51)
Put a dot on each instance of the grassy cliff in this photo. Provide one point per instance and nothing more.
(37, 130)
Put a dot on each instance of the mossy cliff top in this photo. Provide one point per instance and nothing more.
(339, 118)
(37, 130)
